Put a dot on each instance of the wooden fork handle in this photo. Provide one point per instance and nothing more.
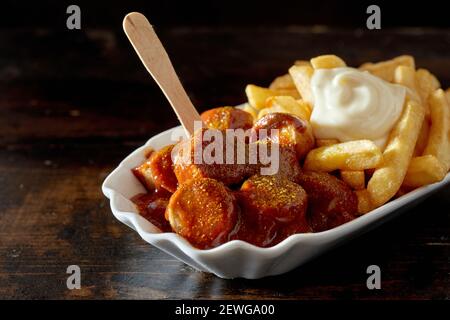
(157, 62)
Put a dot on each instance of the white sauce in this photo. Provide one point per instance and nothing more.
(351, 105)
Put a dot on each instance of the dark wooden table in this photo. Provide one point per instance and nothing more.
(74, 103)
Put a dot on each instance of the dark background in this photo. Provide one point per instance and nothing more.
(73, 104)
(109, 14)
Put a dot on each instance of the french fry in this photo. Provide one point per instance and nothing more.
(288, 92)
(302, 63)
(286, 104)
(326, 142)
(422, 140)
(302, 79)
(351, 155)
(355, 179)
(257, 96)
(438, 143)
(364, 203)
(424, 170)
(447, 93)
(387, 179)
(426, 84)
(406, 76)
(306, 106)
(386, 69)
(327, 61)
(283, 82)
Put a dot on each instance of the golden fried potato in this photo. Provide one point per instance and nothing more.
(351, 155)
(302, 63)
(386, 69)
(387, 179)
(306, 106)
(257, 95)
(286, 104)
(326, 142)
(438, 143)
(364, 203)
(424, 170)
(355, 179)
(406, 76)
(283, 82)
(327, 61)
(288, 92)
(302, 78)
(423, 138)
(426, 83)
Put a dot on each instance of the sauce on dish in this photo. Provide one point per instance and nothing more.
(152, 206)
(211, 204)
(350, 104)
(266, 223)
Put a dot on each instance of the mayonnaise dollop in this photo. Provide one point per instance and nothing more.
(350, 105)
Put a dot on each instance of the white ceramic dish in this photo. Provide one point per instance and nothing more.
(237, 258)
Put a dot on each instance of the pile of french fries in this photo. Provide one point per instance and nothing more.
(418, 148)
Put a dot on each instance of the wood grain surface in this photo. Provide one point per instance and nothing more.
(74, 103)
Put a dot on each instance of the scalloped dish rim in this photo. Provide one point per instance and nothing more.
(153, 235)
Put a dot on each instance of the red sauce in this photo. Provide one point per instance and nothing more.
(330, 203)
(260, 232)
(272, 210)
(152, 206)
